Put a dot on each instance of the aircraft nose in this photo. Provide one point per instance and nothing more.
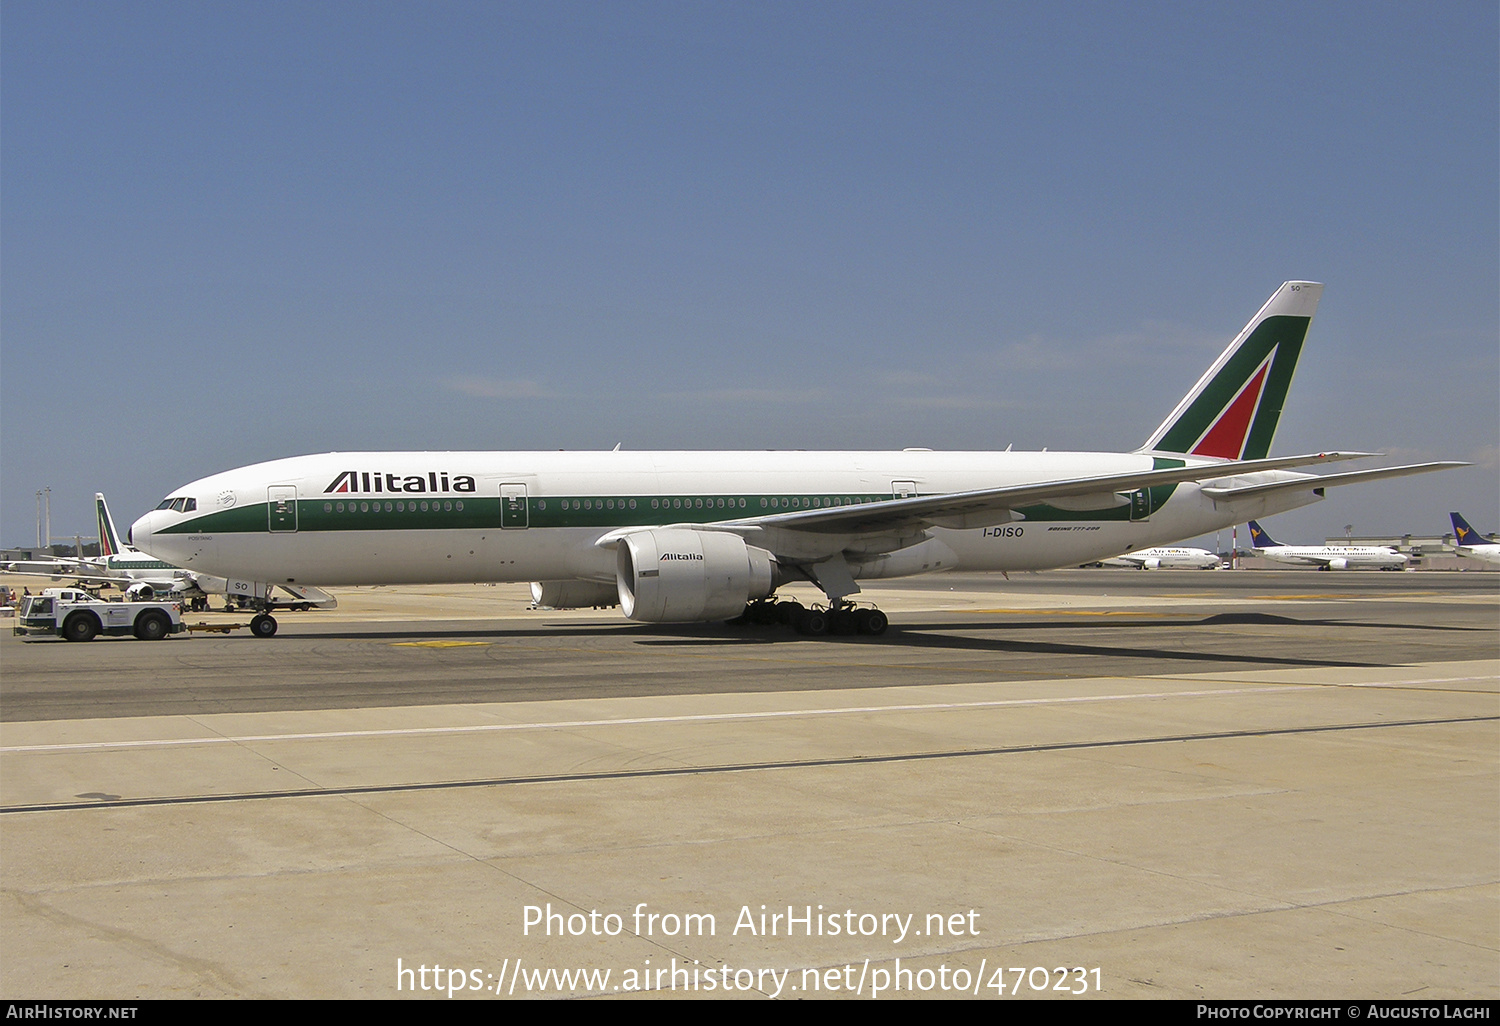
(142, 531)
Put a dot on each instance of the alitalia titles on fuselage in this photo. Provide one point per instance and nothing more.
(360, 481)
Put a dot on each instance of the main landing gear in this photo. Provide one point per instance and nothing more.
(840, 617)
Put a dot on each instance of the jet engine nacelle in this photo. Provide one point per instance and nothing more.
(573, 595)
(679, 576)
(1338, 564)
(141, 592)
(1151, 564)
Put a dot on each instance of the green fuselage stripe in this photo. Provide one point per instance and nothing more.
(370, 513)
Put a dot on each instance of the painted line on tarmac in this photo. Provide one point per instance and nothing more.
(1259, 689)
(683, 771)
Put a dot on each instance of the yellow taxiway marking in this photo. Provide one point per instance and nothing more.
(438, 644)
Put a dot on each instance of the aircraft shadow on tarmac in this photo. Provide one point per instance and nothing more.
(915, 636)
(941, 635)
(714, 633)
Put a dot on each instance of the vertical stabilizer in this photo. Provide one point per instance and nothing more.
(1233, 410)
(1465, 535)
(109, 542)
(1259, 538)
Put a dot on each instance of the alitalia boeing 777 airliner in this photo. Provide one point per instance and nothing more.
(675, 537)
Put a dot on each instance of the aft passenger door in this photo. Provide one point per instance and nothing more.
(1140, 505)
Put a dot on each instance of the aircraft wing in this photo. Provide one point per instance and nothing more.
(31, 568)
(992, 506)
(1308, 558)
(48, 567)
(79, 569)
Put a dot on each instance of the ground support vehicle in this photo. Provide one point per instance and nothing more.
(79, 616)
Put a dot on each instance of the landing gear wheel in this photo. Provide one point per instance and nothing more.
(263, 625)
(871, 621)
(812, 622)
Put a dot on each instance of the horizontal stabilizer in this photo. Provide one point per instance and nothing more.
(1328, 480)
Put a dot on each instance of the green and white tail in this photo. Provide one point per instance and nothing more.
(1233, 411)
(109, 541)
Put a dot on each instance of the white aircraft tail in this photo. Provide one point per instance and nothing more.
(1233, 410)
(109, 541)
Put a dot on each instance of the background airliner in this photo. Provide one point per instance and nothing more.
(142, 576)
(138, 574)
(696, 536)
(1471, 544)
(1168, 558)
(1326, 557)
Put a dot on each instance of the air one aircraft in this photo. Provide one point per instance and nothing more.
(1471, 544)
(674, 537)
(1326, 557)
(1168, 558)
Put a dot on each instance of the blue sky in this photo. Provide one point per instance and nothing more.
(232, 232)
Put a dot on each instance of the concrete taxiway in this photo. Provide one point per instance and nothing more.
(1168, 784)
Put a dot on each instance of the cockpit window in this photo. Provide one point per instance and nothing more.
(191, 505)
(164, 504)
(177, 505)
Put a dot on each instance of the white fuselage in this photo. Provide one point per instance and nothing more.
(1336, 557)
(409, 518)
(133, 565)
(1168, 558)
(1482, 553)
